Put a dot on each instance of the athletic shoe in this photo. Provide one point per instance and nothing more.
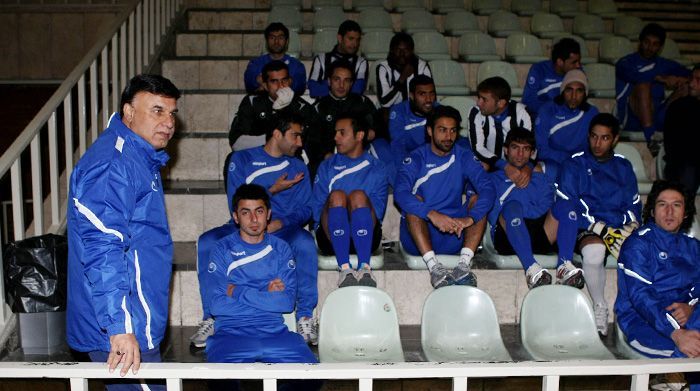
(366, 277)
(668, 382)
(568, 274)
(205, 329)
(537, 276)
(308, 328)
(462, 275)
(346, 278)
(440, 277)
(601, 318)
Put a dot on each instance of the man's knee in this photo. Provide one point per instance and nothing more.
(512, 209)
(337, 198)
(358, 199)
(592, 250)
(640, 90)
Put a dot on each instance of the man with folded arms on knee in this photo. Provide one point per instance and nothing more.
(429, 189)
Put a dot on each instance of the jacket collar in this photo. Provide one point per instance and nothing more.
(155, 159)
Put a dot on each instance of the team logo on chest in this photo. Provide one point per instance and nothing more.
(663, 255)
(329, 118)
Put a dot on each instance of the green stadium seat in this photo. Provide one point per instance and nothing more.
(603, 8)
(447, 6)
(586, 57)
(612, 47)
(500, 68)
(324, 40)
(475, 46)
(486, 7)
(545, 25)
(460, 22)
(360, 5)
(416, 20)
(286, 3)
(628, 26)
(564, 8)
(449, 77)
(320, 4)
(287, 15)
(589, 26)
(526, 7)
(375, 44)
(671, 51)
(431, 45)
(460, 323)
(557, 324)
(328, 18)
(601, 80)
(374, 19)
(524, 48)
(405, 5)
(503, 23)
(463, 104)
(359, 323)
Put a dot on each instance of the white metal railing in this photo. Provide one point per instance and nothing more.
(364, 373)
(80, 108)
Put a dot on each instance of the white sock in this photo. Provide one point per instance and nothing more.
(430, 260)
(593, 258)
(466, 255)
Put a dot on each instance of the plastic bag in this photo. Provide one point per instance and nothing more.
(36, 274)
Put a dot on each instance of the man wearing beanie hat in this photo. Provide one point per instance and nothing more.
(561, 128)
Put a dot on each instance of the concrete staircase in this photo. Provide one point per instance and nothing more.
(210, 56)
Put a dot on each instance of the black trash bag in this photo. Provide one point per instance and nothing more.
(36, 274)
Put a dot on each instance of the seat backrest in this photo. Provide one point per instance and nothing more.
(359, 324)
(476, 42)
(430, 42)
(544, 22)
(417, 19)
(374, 19)
(587, 24)
(405, 5)
(328, 18)
(319, 4)
(503, 20)
(485, 7)
(671, 50)
(287, 15)
(521, 44)
(360, 5)
(294, 45)
(463, 104)
(526, 7)
(602, 7)
(634, 157)
(324, 40)
(600, 77)
(497, 68)
(447, 73)
(563, 7)
(280, 3)
(612, 47)
(461, 21)
(460, 324)
(557, 323)
(628, 26)
(375, 44)
(447, 6)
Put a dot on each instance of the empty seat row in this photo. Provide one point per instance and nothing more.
(460, 323)
(567, 8)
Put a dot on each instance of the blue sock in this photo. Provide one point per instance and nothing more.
(338, 227)
(565, 212)
(517, 233)
(362, 234)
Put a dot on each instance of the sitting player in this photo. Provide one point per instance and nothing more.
(429, 189)
(252, 282)
(349, 200)
(523, 220)
(600, 187)
(657, 273)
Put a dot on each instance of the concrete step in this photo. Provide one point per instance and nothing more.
(660, 6)
(189, 215)
(200, 157)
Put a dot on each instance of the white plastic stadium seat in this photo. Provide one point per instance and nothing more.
(601, 80)
(449, 77)
(475, 46)
(545, 25)
(632, 154)
(612, 47)
(460, 324)
(557, 323)
(499, 68)
(460, 22)
(431, 45)
(463, 104)
(324, 41)
(522, 48)
(624, 348)
(359, 323)
(328, 262)
(504, 23)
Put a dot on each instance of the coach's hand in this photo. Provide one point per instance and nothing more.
(124, 350)
(680, 312)
(687, 341)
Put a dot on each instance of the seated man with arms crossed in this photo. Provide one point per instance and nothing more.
(252, 282)
(657, 273)
(600, 187)
(349, 201)
(524, 220)
(429, 189)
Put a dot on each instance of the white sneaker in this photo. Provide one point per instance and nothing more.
(568, 274)
(537, 276)
(601, 318)
(308, 328)
(205, 329)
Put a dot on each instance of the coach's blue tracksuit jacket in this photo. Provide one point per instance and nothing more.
(120, 250)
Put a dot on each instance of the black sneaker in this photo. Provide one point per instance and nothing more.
(346, 278)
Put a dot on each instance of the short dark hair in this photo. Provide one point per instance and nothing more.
(282, 121)
(401, 37)
(276, 26)
(497, 86)
(273, 66)
(250, 191)
(347, 26)
(358, 124)
(662, 185)
(564, 48)
(343, 64)
(444, 112)
(420, 80)
(653, 29)
(605, 119)
(520, 135)
(154, 84)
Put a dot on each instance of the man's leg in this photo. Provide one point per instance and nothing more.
(336, 225)
(288, 347)
(304, 250)
(151, 355)
(593, 253)
(205, 244)
(513, 222)
(641, 105)
(564, 217)
(462, 274)
(416, 238)
(362, 222)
